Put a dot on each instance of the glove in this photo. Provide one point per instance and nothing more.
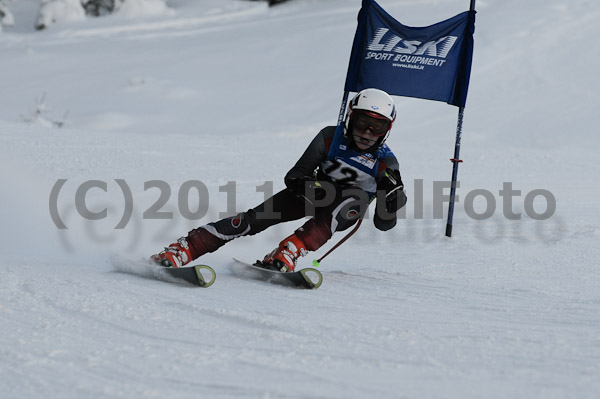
(307, 187)
(392, 184)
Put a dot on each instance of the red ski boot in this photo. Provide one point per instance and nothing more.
(175, 255)
(284, 257)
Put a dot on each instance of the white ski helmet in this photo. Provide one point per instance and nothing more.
(376, 104)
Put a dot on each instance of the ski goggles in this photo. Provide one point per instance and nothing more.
(364, 120)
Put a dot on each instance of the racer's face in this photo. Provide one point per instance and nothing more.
(364, 139)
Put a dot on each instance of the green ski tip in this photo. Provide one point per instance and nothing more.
(316, 263)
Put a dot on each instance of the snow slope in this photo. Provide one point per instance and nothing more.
(230, 90)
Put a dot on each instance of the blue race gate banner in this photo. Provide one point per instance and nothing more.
(432, 62)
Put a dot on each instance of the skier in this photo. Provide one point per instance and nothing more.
(335, 179)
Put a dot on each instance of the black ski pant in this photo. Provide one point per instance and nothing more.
(338, 213)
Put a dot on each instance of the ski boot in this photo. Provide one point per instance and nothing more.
(284, 257)
(175, 255)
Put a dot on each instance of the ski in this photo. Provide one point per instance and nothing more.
(304, 278)
(199, 275)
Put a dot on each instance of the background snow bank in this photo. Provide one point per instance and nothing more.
(55, 11)
(140, 8)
